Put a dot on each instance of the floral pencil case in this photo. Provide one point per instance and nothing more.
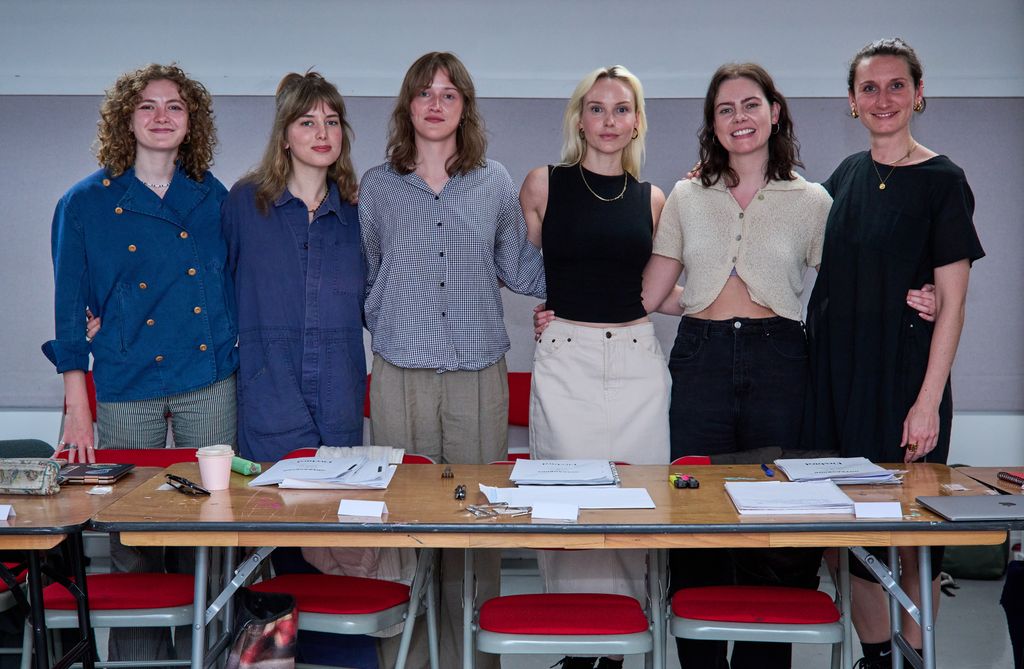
(29, 476)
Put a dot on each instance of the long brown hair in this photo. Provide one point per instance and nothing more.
(783, 148)
(296, 95)
(470, 140)
(115, 141)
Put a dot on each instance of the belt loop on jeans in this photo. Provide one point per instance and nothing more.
(707, 329)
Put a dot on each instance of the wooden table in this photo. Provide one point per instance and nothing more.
(43, 522)
(423, 513)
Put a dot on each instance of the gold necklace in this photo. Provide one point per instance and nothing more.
(625, 183)
(881, 184)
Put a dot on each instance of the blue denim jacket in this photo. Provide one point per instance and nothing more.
(153, 269)
(299, 288)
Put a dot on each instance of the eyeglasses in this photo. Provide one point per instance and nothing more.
(183, 485)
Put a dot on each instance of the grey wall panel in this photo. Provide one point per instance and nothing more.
(45, 143)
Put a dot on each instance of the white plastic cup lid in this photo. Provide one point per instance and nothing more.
(215, 451)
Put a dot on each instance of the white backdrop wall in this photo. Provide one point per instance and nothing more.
(520, 48)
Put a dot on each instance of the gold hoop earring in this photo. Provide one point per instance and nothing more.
(919, 106)
(582, 136)
(636, 133)
(853, 112)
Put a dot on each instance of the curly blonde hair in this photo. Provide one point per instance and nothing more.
(115, 141)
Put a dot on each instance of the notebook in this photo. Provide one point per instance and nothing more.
(95, 473)
(975, 507)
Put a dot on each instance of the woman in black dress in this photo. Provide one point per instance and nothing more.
(902, 216)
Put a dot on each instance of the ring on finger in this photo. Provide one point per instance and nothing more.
(911, 447)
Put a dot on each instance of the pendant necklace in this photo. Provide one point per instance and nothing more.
(881, 181)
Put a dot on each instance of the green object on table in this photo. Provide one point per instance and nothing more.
(245, 467)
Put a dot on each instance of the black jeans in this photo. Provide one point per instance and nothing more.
(737, 385)
(737, 395)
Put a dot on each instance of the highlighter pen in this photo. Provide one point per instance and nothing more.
(768, 471)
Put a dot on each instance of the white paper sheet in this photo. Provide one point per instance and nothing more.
(381, 484)
(585, 497)
(362, 507)
(878, 509)
(552, 511)
(6, 511)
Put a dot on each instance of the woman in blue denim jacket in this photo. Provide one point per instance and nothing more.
(139, 244)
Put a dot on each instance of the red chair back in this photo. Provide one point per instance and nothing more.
(693, 460)
(519, 398)
(146, 457)
(301, 453)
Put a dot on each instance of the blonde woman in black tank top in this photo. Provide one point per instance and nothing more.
(600, 383)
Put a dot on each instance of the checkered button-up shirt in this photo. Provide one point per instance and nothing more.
(434, 261)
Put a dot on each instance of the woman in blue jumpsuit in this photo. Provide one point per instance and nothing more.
(294, 252)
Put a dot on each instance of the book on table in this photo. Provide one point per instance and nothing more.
(788, 497)
(842, 471)
(564, 472)
(353, 473)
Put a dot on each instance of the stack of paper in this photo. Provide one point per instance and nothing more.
(778, 497)
(564, 472)
(355, 473)
(843, 471)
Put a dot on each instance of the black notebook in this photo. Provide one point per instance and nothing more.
(95, 473)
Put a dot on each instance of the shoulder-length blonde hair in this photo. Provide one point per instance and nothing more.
(574, 147)
(296, 95)
(470, 140)
(115, 141)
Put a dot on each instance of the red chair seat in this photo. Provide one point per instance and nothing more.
(20, 578)
(755, 604)
(109, 592)
(563, 613)
(345, 595)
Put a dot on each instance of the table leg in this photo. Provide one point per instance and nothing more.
(77, 554)
(924, 559)
(468, 582)
(844, 602)
(35, 596)
(656, 595)
(895, 615)
(199, 604)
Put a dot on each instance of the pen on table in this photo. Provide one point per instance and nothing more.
(768, 471)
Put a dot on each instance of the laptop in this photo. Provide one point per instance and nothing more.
(95, 473)
(975, 507)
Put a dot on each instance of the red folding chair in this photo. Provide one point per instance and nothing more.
(125, 599)
(576, 624)
(354, 605)
(762, 613)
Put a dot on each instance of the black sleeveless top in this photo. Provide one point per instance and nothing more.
(595, 251)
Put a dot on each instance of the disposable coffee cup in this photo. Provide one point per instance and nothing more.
(215, 466)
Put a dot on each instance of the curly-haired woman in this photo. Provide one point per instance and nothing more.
(138, 243)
